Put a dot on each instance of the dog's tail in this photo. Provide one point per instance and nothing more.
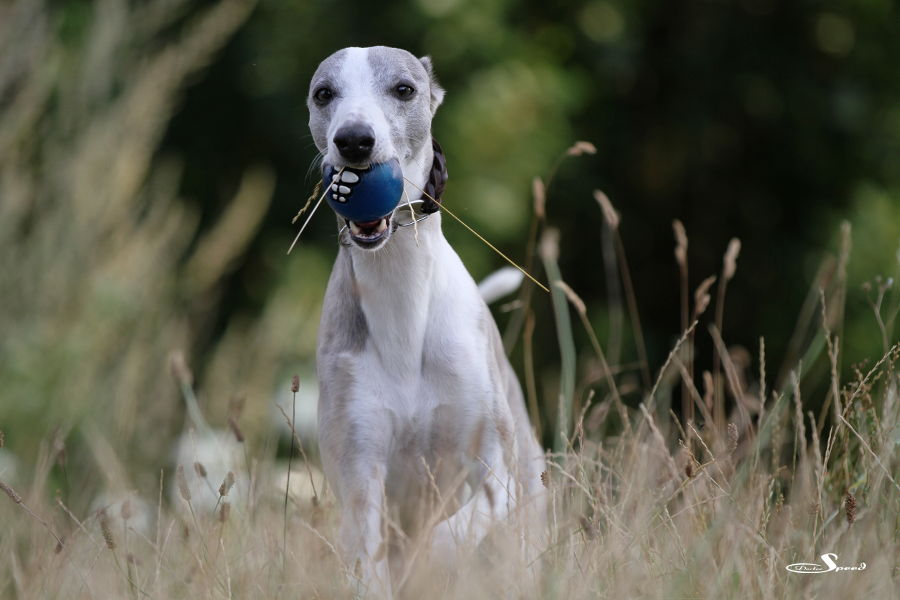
(500, 283)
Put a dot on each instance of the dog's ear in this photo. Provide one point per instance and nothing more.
(437, 92)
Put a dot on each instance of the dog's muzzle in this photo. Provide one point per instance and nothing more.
(365, 198)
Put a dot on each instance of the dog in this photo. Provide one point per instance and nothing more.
(423, 431)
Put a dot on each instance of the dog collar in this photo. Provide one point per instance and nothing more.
(437, 180)
(434, 189)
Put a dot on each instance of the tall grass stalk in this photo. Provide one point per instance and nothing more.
(549, 251)
(612, 220)
(681, 259)
(729, 267)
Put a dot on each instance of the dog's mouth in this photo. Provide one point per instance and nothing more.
(369, 234)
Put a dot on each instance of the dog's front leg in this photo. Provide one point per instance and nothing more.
(363, 537)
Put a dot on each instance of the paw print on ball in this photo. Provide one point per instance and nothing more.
(342, 184)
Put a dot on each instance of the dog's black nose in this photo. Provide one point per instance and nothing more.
(355, 142)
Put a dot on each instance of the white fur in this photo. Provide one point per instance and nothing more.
(422, 425)
(502, 282)
(358, 98)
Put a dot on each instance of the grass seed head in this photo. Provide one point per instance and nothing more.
(180, 370)
(10, 492)
(227, 483)
(850, 508)
(295, 384)
(59, 448)
(681, 243)
(609, 213)
(549, 244)
(183, 488)
(105, 529)
(701, 296)
(539, 191)
(580, 148)
(125, 510)
(732, 437)
(587, 527)
(574, 298)
(731, 255)
(236, 430)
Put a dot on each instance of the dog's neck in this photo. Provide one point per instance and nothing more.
(395, 284)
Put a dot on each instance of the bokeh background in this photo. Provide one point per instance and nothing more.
(152, 155)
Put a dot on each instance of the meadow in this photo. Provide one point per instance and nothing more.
(131, 467)
(643, 504)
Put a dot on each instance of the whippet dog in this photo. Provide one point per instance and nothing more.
(423, 430)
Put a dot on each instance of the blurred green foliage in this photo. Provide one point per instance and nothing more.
(771, 122)
(149, 178)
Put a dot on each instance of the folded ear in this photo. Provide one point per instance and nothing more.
(437, 92)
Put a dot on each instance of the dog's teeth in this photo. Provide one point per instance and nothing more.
(334, 178)
(341, 199)
(342, 189)
(368, 233)
(334, 187)
(348, 177)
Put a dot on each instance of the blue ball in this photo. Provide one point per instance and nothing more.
(364, 195)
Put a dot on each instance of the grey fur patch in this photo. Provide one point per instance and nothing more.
(319, 117)
(412, 120)
(344, 327)
(390, 63)
(437, 92)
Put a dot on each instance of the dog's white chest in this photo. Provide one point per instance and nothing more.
(430, 417)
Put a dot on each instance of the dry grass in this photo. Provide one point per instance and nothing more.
(95, 242)
(657, 512)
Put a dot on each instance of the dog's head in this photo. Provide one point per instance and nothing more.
(369, 107)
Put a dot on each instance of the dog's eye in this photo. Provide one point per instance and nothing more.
(323, 96)
(404, 92)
